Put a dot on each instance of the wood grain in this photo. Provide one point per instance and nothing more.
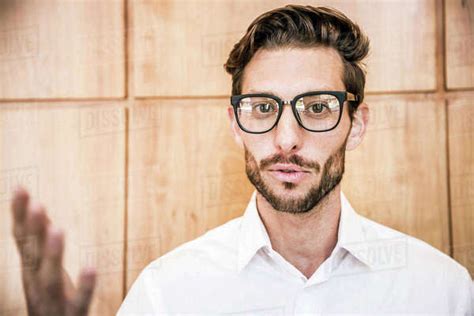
(459, 37)
(186, 176)
(461, 168)
(71, 159)
(61, 49)
(398, 174)
(180, 47)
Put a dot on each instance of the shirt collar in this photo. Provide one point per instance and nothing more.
(253, 235)
(351, 235)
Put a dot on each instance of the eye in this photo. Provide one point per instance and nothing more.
(265, 107)
(317, 107)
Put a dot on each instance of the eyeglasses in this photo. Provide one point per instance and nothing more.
(315, 111)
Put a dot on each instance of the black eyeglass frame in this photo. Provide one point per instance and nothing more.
(341, 96)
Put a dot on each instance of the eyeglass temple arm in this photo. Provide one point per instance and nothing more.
(352, 97)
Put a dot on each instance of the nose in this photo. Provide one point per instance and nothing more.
(288, 133)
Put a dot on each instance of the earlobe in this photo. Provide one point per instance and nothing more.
(235, 129)
(359, 126)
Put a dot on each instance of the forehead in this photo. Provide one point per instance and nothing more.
(289, 71)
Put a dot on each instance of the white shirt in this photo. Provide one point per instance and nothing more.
(233, 270)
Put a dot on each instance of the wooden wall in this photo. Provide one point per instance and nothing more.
(113, 113)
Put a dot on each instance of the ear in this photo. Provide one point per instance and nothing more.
(359, 126)
(234, 127)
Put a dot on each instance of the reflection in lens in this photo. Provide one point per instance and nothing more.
(257, 114)
(318, 112)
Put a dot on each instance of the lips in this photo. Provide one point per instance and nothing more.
(288, 173)
(286, 168)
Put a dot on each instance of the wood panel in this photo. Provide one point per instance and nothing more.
(71, 158)
(461, 168)
(61, 49)
(186, 176)
(459, 36)
(180, 46)
(398, 174)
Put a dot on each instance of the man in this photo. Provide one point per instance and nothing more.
(299, 248)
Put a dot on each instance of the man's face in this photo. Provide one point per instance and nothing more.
(319, 157)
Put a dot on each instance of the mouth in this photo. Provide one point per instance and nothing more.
(287, 168)
(289, 176)
(288, 173)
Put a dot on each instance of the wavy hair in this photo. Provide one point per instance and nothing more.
(297, 26)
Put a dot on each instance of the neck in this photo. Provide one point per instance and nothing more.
(304, 240)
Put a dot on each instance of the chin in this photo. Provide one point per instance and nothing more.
(289, 189)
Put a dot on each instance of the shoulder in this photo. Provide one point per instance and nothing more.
(217, 247)
(419, 258)
(168, 280)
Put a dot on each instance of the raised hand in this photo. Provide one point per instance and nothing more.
(48, 289)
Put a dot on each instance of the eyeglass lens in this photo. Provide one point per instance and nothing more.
(317, 112)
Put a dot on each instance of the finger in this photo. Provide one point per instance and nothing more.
(37, 222)
(31, 242)
(85, 290)
(51, 265)
(69, 288)
(19, 209)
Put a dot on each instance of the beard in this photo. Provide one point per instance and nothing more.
(332, 173)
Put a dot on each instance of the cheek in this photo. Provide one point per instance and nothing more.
(320, 146)
(327, 142)
(258, 145)
(316, 147)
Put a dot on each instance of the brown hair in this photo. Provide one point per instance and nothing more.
(303, 27)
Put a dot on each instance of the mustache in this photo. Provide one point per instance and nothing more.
(293, 159)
